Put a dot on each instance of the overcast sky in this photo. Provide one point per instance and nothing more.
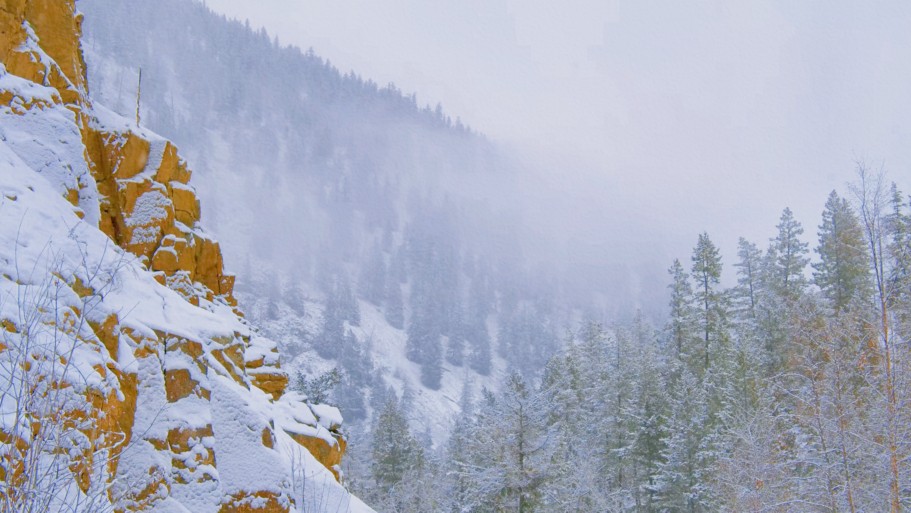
(702, 115)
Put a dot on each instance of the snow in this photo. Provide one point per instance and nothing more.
(25, 89)
(261, 348)
(432, 409)
(41, 234)
(46, 138)
(150, 207)
(328, 416)
(106, 120)
(238, 436)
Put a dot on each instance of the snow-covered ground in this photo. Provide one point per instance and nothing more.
(49, 249)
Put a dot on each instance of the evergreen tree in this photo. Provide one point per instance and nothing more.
(788, 258)
(784, 285)
(395, 450)
(432, 366)
(900, 255)
(422, 330)
(455, 346)
(711, 302)
(347, 302)
(748, 290)
(577, 476)
(643, 416)
(681, 322)
(517, 422)
(349, 397)
(842, 274)
(423, 344)
(458, 448)
(684, 476)
(507, 328)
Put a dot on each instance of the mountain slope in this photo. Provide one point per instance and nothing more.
(318, 182)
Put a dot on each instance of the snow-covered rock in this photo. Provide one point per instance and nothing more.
(129, 376)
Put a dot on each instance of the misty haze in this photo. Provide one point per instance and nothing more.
(481, 256)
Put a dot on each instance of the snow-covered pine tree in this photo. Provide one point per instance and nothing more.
(842, 273)
(710, 302)
(680, 329)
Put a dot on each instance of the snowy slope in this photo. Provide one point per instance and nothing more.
(107, 373)
(41, 235)
(432, 411)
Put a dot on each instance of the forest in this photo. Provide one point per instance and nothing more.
(785, 392)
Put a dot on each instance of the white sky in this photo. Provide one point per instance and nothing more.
(702, 115)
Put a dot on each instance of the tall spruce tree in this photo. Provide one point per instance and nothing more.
(709, 300)
(395, 450)
(680, 327)
(519, 419)
(684, 474)
(788, 258)
(900, 251)
(842, 273)
(747, 293)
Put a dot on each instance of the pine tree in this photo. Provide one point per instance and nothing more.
(683, 477)
(458, 448)
(749, 268)
(398, 266)
(784, 284)
(518, 421)
(574, 383)
(709, 300)
(347, 302)
(643, 416)
(681, 320)
(788, 258)
(395, 450)
(900, 255)
(432, 366)
(842, 274)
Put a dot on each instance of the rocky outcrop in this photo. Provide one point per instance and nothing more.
(178, 398)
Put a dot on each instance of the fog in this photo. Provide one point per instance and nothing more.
(375, 235)
(675, 117)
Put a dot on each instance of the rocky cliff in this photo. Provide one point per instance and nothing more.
(132, 382)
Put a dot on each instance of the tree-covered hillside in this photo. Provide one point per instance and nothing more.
(788, 392)
(377, 234)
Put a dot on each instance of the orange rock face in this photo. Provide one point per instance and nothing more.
(148, 209)
(328, 455)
